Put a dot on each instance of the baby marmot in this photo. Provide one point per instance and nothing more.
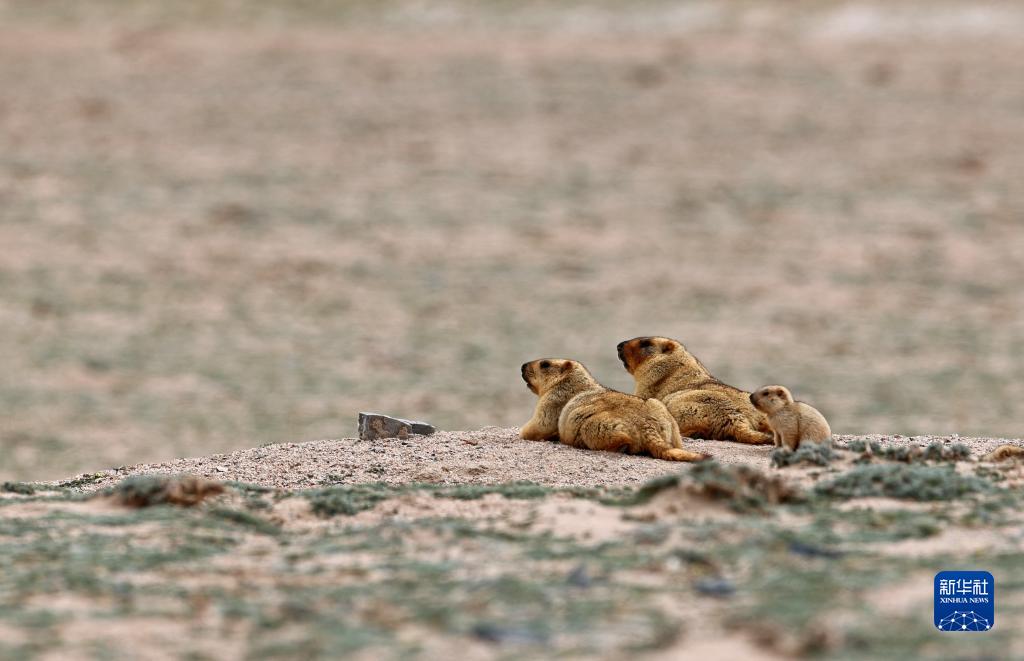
(580, 412)
(792, 422)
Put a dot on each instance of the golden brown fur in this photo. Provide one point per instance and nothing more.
(1005, 452)
(703, 406)
(580, 412)
(792, 422)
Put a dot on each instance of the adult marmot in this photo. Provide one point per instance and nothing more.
(792, 422)
(703, 406)
(580, 412)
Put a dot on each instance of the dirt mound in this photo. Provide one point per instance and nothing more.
(490, 455)
(343, 549)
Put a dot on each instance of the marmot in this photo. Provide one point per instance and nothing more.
(1004, 452)
(580, 412)
(703, 406)
(792, 422)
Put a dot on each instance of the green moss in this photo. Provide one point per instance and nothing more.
(349, 499)
(515, 490)
(912, 482)
(745, 489)
(251, 521)
(247, 488)
(651, 488)
(817, 454)
(82, 480)
(354, 498)
(934, 451)
(857, 445)
(937, 451)
(23, 488)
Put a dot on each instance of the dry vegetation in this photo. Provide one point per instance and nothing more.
(831, 556)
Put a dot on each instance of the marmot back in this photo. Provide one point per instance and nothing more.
(703, 406)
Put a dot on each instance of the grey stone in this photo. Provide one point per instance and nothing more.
(375, 425)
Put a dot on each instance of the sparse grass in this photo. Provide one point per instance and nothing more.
(337, 589)
(817, 454)
(352, 499)
(745, 489)
(256, 523)
(349, 500)
(528, 490)
(23, 488)
(912, 482)
(742, 488)
(82, 480)
(934, 451)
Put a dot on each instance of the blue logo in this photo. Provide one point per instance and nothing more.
(965, 601)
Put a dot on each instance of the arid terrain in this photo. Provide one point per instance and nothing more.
(479, 545)
(224, 224)
(228, 226)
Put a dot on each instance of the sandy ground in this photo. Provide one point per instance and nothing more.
(418, 571)
(487, 456)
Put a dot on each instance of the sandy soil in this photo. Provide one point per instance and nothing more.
(257, 570)
(487, 456)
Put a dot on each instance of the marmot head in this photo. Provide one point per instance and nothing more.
(770, 399)
(634, 353)
(541, 374)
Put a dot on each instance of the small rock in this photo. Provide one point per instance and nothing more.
(375, 425)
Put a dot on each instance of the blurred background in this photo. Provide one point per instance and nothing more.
(226, 223)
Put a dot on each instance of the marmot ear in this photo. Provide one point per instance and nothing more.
(669, 346)
(566, 366)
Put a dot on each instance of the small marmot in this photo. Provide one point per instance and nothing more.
(580, 412)
(792, 422)
(703, 406)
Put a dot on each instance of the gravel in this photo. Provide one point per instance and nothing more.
(487, 456)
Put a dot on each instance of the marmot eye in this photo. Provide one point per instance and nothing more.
(544, 364)
(645, 343)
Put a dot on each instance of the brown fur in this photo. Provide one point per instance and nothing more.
(1005, 452)
(703, 406)
(580, 412)
(183, 490)
(792, 422)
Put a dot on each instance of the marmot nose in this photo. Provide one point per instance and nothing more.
(752, 400)
(522, 368)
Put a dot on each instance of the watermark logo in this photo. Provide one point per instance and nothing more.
(965, 601)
